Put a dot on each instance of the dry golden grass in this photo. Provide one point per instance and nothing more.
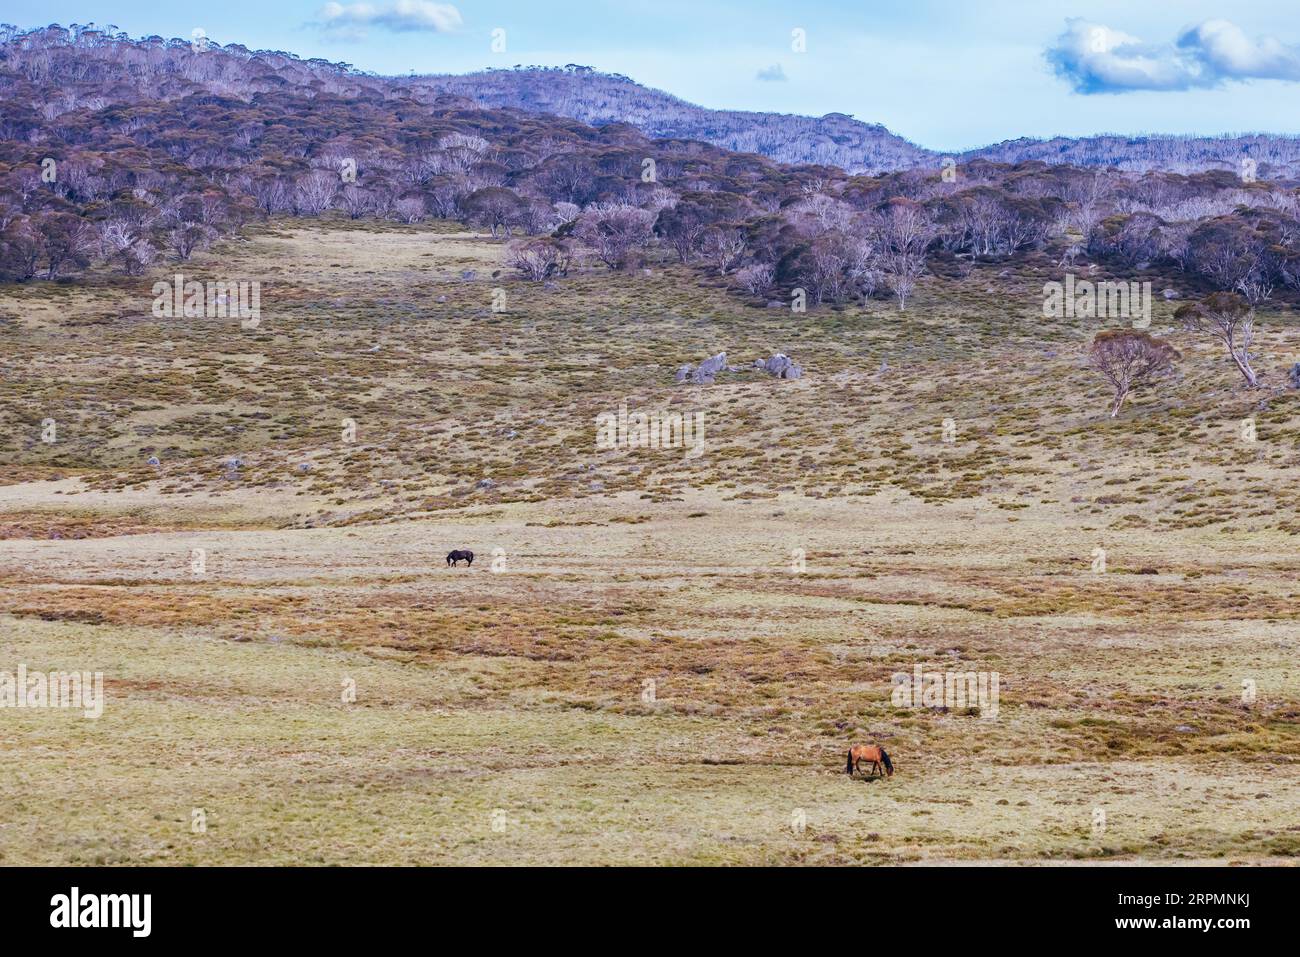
(513, 693)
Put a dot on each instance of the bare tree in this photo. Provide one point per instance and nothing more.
(566, 213)
(819, 214)
(1231, 320)
(409, 209)
(355, 201)
(862, 254)
(123, 242)
(539, 259)
(494, 207)
(1127, 358)
(905, 232)
(828, 274)
(462, 151)
(272, 194)
(756, 279)
(313, 192)
(1087, 197)
(614, 230)
(1233, 255)
(186, 237)
(723, 247)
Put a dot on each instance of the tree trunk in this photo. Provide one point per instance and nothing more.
(1247, 373)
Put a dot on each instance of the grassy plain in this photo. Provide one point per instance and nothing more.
(506, 716)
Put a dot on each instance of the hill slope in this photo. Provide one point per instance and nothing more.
(837, 139)
(111, 67)
(599, 98)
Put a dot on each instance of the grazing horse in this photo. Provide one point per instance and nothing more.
(872, 754)
(458, 554)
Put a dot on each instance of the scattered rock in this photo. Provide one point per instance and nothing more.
(713, 365)
(153, 460)
(1294, 376)
(781, 366)
(704, 373)
(1169, 293)
(485, 483)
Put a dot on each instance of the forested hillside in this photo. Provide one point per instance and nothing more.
(122, 153)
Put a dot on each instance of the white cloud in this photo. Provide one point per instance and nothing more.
(1231, 54)
(351, 20)
(772, 74)
(1098, 59)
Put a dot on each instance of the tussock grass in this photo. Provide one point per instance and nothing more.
(520, 696)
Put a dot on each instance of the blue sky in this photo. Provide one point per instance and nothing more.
(948, 74)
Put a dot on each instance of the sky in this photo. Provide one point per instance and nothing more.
(946, 74)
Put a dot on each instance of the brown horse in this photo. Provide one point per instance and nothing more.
(872, 754)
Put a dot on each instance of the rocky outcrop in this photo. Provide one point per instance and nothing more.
(705, 372)
(781, 366)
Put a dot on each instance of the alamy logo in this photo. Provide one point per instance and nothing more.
(651, 430)
(55, 689)
(947, 689)
(215, 299)
(103, 910)
(1084, 299)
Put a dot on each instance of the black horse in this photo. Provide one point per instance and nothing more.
(458, 554)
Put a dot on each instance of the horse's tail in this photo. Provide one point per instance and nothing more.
(889, 765)
(848, 768)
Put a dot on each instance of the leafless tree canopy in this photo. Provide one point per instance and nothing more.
(1230, 319)
(539, 259)
(1127, 359)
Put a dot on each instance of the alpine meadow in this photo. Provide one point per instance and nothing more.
(471, 457)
